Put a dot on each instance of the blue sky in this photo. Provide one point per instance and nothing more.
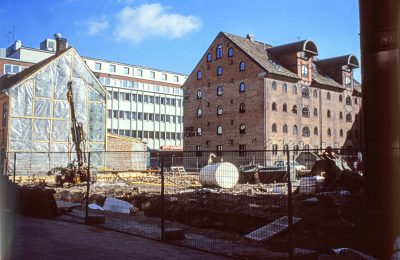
(173, 35)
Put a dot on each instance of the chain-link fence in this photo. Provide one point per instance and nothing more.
(254, 204)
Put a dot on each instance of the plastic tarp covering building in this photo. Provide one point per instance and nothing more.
(40, 121)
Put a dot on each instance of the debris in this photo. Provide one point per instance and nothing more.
(36, 202)
(272, 229)
(117, 205)
(95, 206)
(278, 190)
(64, 206)
(311, 201)
(332, 198)
(351, 254)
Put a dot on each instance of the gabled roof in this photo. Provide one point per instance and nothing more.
(306, 46)
(8, 81)
(258, 52)
(348, 60)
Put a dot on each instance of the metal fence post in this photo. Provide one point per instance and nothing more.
(15, 166)
(290, 207)
(87, 187)
(162, 199)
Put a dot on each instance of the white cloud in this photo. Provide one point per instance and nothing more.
(95, 27)
(152, 20)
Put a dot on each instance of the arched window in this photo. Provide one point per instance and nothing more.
(341, 132)
(294, 109)
(274, 106)
(284, 88)
(274, 128)
(305, 132)
(219, 130)
(328, 113)
(199, 94)
(199, 74)
(305, 112)
(305, 93)
(242, 87)
(199, 112)
(294, 90)
(355, 101)
(273, 86)
(304, 70)
(295, 129)
(284, 129)
(340, 98)
(329, 132)
(340, 115)
(230, 52)
(328, 96)
(284, 108)
(219, 52)
(315, 130)
(209, 57)
(315, 112)
(242, 66)
(242, 129)
(220, 90)
(348, 100)
(219, 110)
(315, 93)
(242, 108)
(219, 71)
(348, 117)
(198, 132)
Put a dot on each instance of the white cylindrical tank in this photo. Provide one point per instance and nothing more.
(221, 175)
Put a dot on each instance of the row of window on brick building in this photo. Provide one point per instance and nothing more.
(144, 116)
(305, 111)
(305, 131)
(147, 99)
(147, 134)
(304, 93)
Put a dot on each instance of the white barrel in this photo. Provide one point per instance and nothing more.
(221, 175)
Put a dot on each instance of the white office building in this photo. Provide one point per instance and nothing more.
(143, 102)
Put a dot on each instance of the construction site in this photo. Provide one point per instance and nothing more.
(60, 163)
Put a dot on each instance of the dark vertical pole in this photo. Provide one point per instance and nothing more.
(379, 34)
(15, 166)
(290, 207)
(87, 187)
(162, 198)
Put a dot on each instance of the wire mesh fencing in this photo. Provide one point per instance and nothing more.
(254, 204)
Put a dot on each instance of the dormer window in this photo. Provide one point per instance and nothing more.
(347, 81)
(304, 70)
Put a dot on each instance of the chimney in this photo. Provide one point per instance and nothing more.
(61, 43)
(250, 37)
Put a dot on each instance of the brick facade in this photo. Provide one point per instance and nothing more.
(263, 91)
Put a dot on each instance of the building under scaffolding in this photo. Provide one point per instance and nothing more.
(36, 121)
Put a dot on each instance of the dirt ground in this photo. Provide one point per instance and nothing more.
(229, 214)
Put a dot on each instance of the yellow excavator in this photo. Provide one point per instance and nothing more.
(76, 171)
